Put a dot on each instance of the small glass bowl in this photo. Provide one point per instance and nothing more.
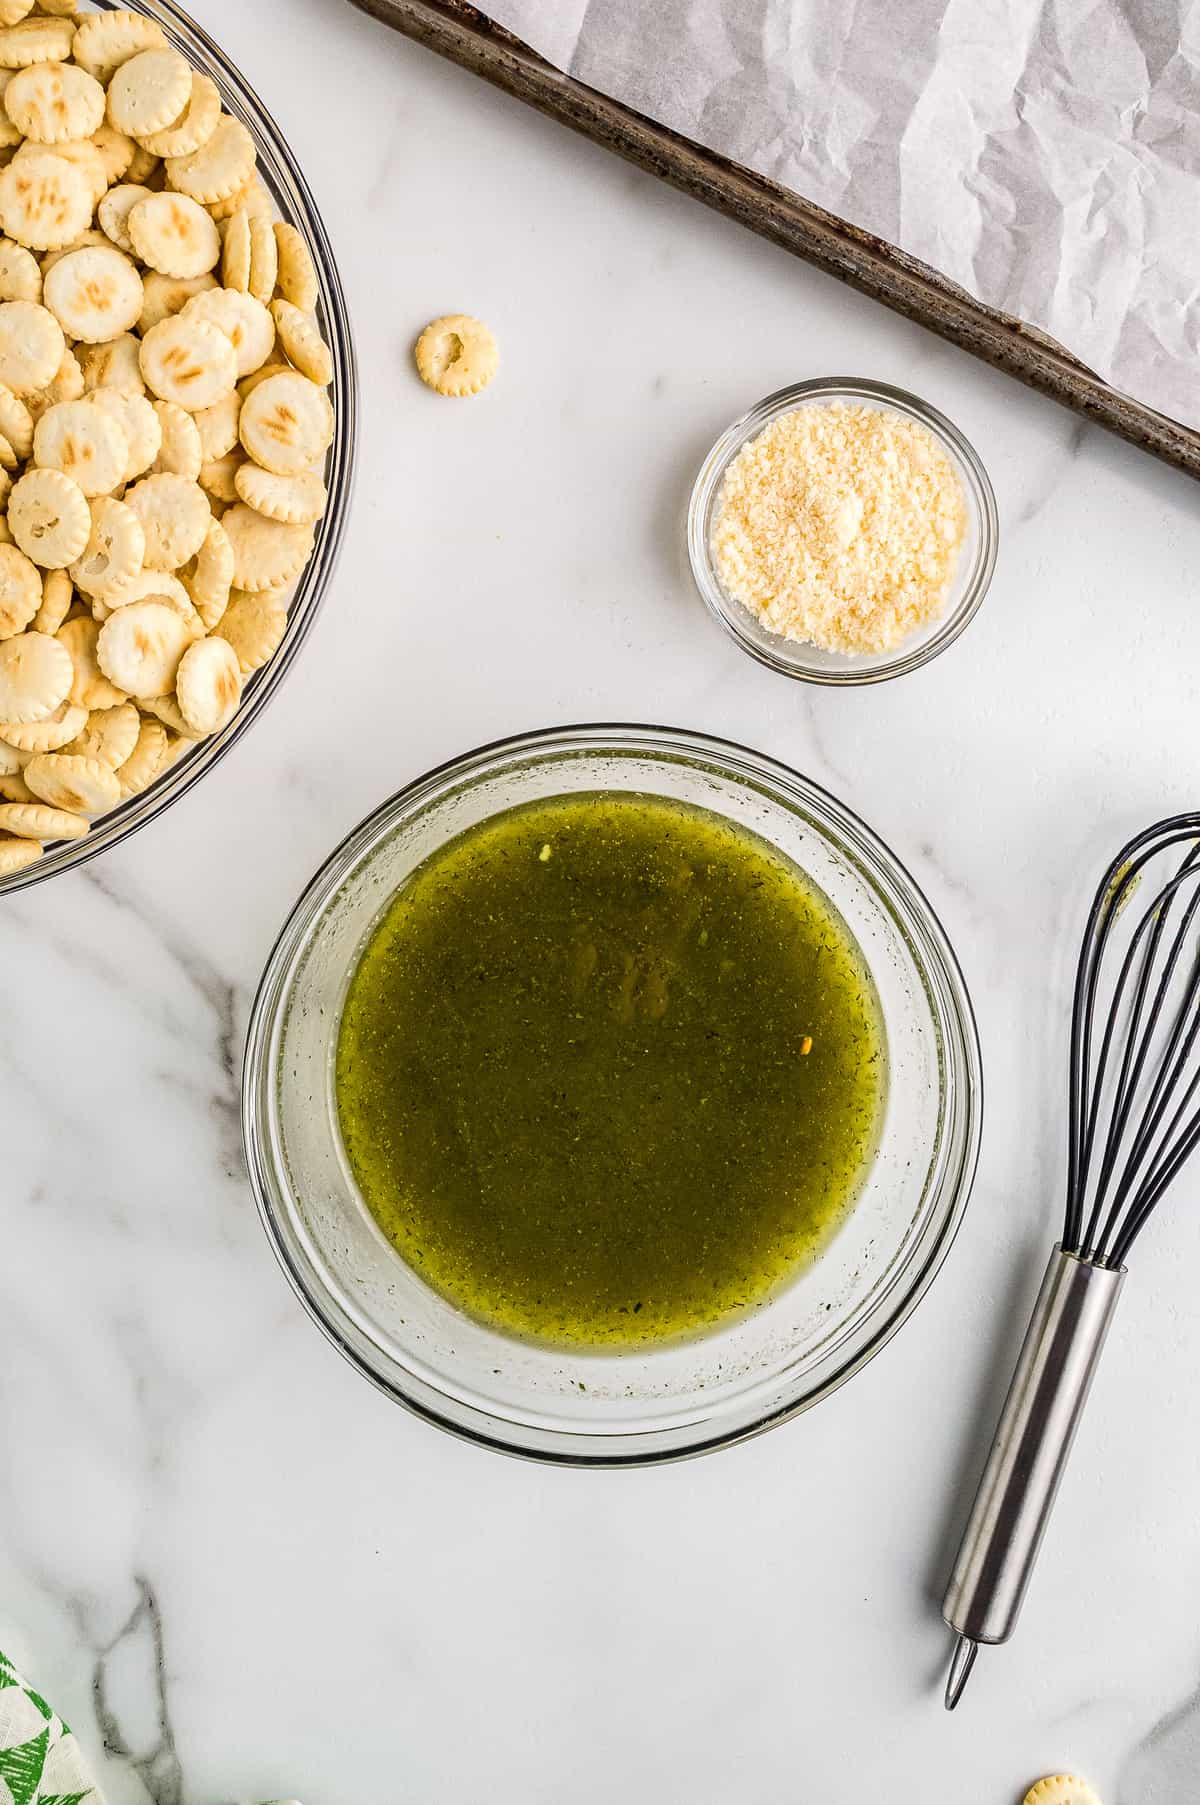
(281, 176)
(600, 1408)
(796, 658)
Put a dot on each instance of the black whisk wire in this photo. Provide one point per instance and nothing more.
(1132, 1124)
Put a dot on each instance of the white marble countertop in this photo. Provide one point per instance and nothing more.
(222, 1555)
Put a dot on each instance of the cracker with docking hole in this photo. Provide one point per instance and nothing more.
(297, 500)
(146, 760)
(175, 517)
(49, 517)
(136, 417)
(194, 126)
(114, 553)
(218, 426)
(208, 685)
(266, 553)
(254, 625)
(38, 821)
(297, 278)
(303, 343)
(116, 153)
(235, 252)
(167, 295)
(58, 729)
(113, 214)
(20, 591)
(286, 423)
(16, 422)
(52, 103)
(85, 158)
(174, 235)
(45, 201)
(106, 40)
(246, 323)
(264, 253)
(220, 168)
(218, 478)
(36, 676)
(85, 443)
(110, 734)
(68, 780)
(177, 599)
(16, 854)
(20, 273)
(209, 576)
(95, 295)
(114, 364)
(189, 362)
(149, 92)
(36, 40)
(180, 452)
(151, 585)
(456, 355)
(58, 592)
(90, 688)
(32, 346)
(139, 647)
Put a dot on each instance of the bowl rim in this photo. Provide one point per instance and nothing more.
(938, 964)
(241, 99)
(792, 659)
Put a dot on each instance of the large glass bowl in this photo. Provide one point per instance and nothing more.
(605, 1408)
(289, 191)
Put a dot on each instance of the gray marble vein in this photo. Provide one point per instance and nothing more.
(148, 1748)
(1164, 1767)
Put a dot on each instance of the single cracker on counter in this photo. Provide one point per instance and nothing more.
(456, 355)
(1062, 1789)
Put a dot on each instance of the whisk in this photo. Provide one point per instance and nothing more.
(1134, 1122)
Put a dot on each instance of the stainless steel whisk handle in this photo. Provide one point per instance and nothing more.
(1012, 1507)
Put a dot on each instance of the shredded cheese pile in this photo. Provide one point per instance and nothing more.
(841, 525)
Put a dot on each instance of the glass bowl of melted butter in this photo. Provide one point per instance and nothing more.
(611, 1094)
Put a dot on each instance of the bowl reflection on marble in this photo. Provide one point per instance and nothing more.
(281, 175)
(601, 1407)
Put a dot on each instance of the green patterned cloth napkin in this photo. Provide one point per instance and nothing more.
(40, 1763)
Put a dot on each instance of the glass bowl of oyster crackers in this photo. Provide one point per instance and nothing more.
(176, 419)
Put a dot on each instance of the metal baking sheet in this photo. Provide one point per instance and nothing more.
(465, 35)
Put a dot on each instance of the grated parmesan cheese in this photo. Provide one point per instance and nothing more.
(841, 525)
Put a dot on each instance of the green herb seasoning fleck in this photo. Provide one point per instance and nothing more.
(610, 1071)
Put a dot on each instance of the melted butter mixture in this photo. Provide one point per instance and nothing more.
(609, 1071)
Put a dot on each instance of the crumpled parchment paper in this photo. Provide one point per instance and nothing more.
(1043, 154)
